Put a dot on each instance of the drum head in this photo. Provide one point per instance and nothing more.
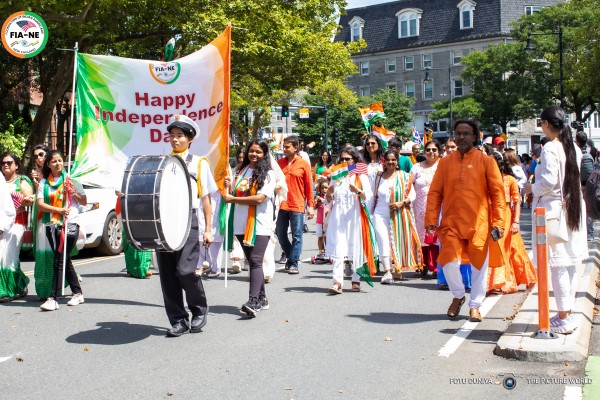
(175, 204)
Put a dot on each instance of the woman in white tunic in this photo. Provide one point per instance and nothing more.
(344, 230)
(373, 154)
(557, 188)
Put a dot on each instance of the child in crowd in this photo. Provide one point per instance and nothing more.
(322, 213)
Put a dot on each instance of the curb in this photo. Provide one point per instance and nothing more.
(517, 341)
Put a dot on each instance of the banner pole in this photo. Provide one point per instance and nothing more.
(64, 260)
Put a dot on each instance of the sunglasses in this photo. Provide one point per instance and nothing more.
(7, 162)
(40, 154)
(371, 144)
(431, 150)
(346, 158)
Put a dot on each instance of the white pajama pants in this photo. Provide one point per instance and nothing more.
(478, 282)
(338, 271)
(564, 286)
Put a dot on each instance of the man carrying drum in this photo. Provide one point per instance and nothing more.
(178, 268)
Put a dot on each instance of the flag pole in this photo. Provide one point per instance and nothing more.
(75, 49)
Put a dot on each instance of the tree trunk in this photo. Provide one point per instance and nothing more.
(42, 121)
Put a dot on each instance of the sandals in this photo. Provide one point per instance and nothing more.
(355, 287)
(454, 308)
(336, 288)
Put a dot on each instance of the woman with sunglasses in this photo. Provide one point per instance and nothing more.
(58, 198)
(422, 174)
(397, 238)
(345, 242)
(373, 154)
(39, 154)
(13, 282)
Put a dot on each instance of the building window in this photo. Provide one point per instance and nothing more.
(408, 22)
(427, 61)
(390, 65)
(280, 129)
(364, 91)
(443, 126)
(466, 9)
(427, 90)
(391, 85)
(458, 88)
(529, 10)
(457, 57)
(364, 68)
(356, 28)
(409, 63)
(409, 89)
(278, 118)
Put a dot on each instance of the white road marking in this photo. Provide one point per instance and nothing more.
(84, 262)
(459, 337)
(2, 359)
(573, 393)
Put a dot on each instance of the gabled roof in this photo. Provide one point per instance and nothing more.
(439, 24)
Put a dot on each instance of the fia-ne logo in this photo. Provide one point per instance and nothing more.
(165, 73)
(24, 34)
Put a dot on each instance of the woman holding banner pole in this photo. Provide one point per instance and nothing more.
(58, 198)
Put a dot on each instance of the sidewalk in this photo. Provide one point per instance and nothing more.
(517, 342)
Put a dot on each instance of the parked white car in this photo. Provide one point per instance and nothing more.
(99, 221)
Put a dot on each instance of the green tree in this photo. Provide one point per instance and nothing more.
(580, 23)
(462, 107)
(503, 80)
(348, 121)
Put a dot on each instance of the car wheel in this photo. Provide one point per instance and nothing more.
(112, 236)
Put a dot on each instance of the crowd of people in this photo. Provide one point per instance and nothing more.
(448, 211)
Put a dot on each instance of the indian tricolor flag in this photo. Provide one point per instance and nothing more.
(339, 171)
(372, 113)
(383, 134)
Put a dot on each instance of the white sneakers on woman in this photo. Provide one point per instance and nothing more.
(51, 304)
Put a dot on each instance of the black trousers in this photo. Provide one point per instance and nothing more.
(255, 256)
(53, 235)
(178, 274)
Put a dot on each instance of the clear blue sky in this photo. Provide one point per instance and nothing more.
(363, 3)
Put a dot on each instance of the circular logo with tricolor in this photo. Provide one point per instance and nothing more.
(165, 73)
(24, 34)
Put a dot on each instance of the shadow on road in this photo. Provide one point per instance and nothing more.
(116, 333)
(224, 310)
(306, 289)
(398, 318)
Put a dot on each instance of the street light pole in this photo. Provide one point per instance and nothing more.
(530, 47)
(450, 91)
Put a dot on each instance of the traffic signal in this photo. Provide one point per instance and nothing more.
(242, 115)
(285, 111)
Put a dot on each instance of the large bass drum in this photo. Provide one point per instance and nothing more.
(157, 202)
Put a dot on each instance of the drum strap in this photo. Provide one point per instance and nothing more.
(188, 160)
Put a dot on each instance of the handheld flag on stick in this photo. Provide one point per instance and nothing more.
(339, 171)
(416, 137)
(357, 169)
(169, 50)
(383, 134)
(372, 113)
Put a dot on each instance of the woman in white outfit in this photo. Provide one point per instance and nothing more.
(344, 220)
(557, 188)
(373, 153)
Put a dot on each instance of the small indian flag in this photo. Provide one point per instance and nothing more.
(339, 171)
(372, 113)
(383, 134)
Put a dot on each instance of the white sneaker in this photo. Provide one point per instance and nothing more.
(268, 279)
(236, 268)
(76, 300)
(49, 305)
(387, 278)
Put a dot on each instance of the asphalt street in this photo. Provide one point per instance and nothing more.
(387, 342)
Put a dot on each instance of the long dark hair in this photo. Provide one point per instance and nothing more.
(262, 167)
(571, 188)
(320, 163)
(366, 154)
(46, 171)
(352, 152)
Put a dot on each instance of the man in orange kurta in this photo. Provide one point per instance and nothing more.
(467, 187)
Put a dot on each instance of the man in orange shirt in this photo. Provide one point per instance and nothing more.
(468, 188)
(300, 191)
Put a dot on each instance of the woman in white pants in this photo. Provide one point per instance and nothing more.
(557, 179)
